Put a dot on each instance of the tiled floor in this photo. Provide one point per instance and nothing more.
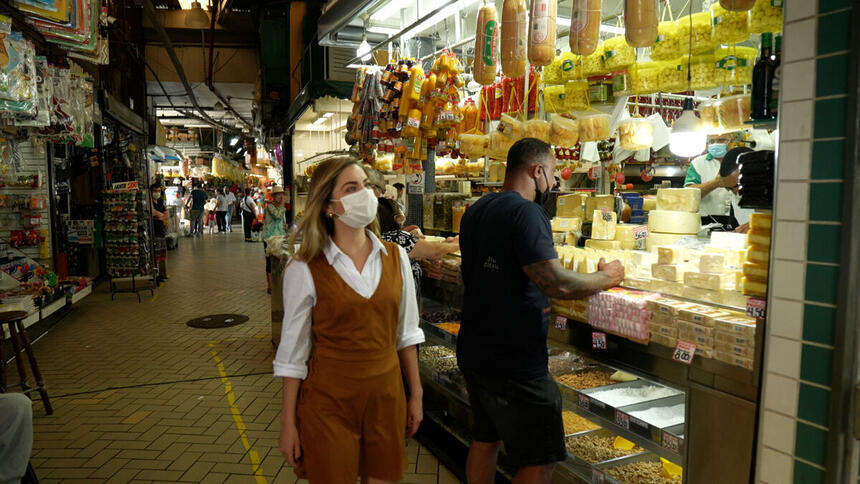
(141, 397)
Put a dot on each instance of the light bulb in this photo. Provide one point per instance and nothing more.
(687, 137)
(363, 50)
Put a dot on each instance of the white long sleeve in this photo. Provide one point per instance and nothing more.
(299, 296)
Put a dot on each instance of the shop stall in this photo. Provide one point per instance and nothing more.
(660, 376)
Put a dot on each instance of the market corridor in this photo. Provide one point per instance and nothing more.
(139, 396)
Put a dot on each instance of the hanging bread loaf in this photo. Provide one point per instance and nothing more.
(486, 40)
(542, 32)
(514, 32)
(585, 26)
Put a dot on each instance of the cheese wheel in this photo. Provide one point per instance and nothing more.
(656, 239)
(542, 32)
(679, 199)
(640, 17)
(486, 40)
(585, 26)
(514, 33)
(667, 222)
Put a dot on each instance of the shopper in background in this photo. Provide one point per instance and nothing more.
(510, 270)
(740, 217)
(390, 216)
(16, 436)
(348, 416)
(401, 199)
(160, 219)
(274, 224)
(231, 208)
(197, 205)
(249, 213)
(704, 174)
(221, 210)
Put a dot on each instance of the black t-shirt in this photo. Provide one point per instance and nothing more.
(505, 316)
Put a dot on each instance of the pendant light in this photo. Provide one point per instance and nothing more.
(363, 50)
(687, 138)
(196, 18)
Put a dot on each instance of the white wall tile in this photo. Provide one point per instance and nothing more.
(778, 432)
(797, 121)
(788, 279)
(775, 467)
(799, 9)
(795, 160)
(790, 240)
(783, 357)
(781, 394)
(799, 39)
(792, 201)
(798, 81)
(785, 319)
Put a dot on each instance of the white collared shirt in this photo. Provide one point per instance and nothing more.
(300, 297)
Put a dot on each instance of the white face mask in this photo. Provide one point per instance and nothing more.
(359, 208)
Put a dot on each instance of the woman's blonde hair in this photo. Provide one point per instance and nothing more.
(315, 227)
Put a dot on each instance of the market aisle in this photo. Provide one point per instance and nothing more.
(139, 396)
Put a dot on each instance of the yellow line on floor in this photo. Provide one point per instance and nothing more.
(237, 418)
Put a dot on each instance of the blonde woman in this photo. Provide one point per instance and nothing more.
(345, 413)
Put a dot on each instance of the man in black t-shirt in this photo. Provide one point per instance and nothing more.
(510, 269)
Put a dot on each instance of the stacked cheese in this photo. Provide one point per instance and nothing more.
(757, 257)
(696, 325)
(676, 216)
(669, 270)
(620, 311)
(626, 235)
(566, 230)
(735, 340)
(662, 320)
(572, 205)
(603, 228)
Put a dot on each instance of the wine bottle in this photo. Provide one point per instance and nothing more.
(777, 77)
(762, 89)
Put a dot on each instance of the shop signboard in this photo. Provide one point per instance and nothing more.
(129, 185)
(415, 183)
(80, 231)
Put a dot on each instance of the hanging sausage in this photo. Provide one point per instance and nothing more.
(641, 19)
(486, 40)
(542, 33)
(585, 26)
(514, 32)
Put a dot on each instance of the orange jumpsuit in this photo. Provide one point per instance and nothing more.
(351, 411)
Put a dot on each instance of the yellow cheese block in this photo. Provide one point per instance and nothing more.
(602, 244)
(712, 263)
(729, 240)
(705, 295)
(597, 203)
(667, 272)
(758, 255)
(706, 280)
(666, 222)
(571, 239)
(564, 224)
(679, 199)
(649, 204)
(626, 234)
(670, 255)
(761, 221)
(759, 238)
(754, 288)
(755, 272)
(603, 225)
(656, 239)
(572, 205)
(731, 257)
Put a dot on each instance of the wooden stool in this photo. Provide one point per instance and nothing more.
(18, 335)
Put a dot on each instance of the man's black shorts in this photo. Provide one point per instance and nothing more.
(525, 415)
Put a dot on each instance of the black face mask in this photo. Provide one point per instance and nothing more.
(542, 196)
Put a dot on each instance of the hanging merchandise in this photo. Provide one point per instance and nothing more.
(641, 19)
(635, 134)
(564, 131)
(514, 38)
(645, 77)
(593, 64)
(766, 16)
(486, 53)
(18, 91)
(668, 43)
(729, 27)
(542, 32)
(735, 65)
(585, 26)
(673, 77)
(699, 26)
(737, 5)
(703, 71)
(710, 118)
(44, 90)
(617, 53)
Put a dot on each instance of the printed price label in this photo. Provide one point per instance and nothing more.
(561, 323)
(684, 352)
(598, 340)
(756, 308)
(671, 443)
(583, 402)
(640, 232)
(622, 419)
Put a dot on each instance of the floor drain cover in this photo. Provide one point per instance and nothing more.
(217, 321)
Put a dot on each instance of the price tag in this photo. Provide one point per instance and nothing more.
(583, 402)
(640, 232)
(561, 323)
(756, 308)
(622, 419)
(598, 340)
(671, 443)
(684, 352)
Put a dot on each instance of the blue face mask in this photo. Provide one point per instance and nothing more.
(717, 150)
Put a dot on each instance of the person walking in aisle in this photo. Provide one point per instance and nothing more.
(231, 208)
(345, 412)
(197, 201)
(274, 224)
(221, 210)
(510, 270)
(249, 213)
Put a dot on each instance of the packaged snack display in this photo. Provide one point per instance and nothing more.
(734, 111)
(552, 73)
(702, 36)
(735, 65)
(470, 117)
(511, 127)
(568, 62)
(640, 17)
(514, 34)
(536, 128)
(576, 95)
(585, 26)
(486, 42)
(737, 5)
(499, 145)
(542, 32)
(474, 145)
(554, 100)
(729, 26)
(673, 75)
(644, 78)
(564, 132)
(592, 64)
(667, 46)
(594, 127)
(635, 134)
(703, 71)
(766, 16)
(617, 53)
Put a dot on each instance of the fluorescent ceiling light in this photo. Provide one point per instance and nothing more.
(185, 4)
(198, 125)
(355, 66)
(327, 115)
(383, 30)
(391, 8)
(363, 50)
(443, 14)
(320, 121)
